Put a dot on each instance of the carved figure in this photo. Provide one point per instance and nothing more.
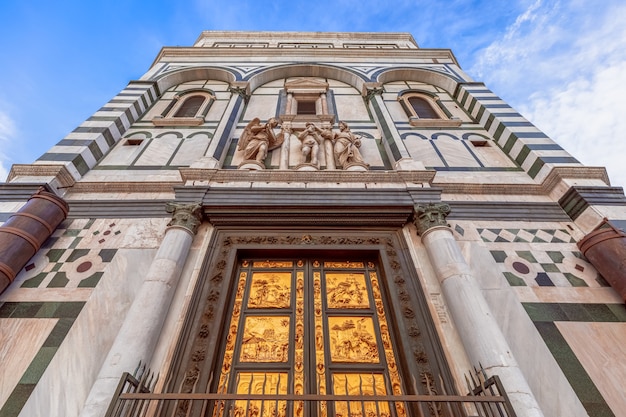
(345, 146)
(311, 139)
(258, 139)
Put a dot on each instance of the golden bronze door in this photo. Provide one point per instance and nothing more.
(308, 326)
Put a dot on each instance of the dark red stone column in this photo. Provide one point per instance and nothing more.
(22, 234)
(605, 249)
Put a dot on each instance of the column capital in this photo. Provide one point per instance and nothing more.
(241, 88)
(186, 215)
(371, 89)
(427, 216)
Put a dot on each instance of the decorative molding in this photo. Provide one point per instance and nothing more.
(282, 176)
(408, 307)
(576, 200)
(59, 172)
(124, 187)
(177, 121)
(553, 179)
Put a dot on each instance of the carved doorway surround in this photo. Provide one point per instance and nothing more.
(308, 312)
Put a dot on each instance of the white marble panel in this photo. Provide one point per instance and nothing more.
(262, 107)
(216, 111)
(370, 152)
(492, 156)
(158, 151)
(156, 110)
(123, 154)
(276, 83)
(351, 107)
(190, 150)
(422, 150)
(396, 111)
(94, 331)
(455, 153)
(20, 340)
(597, 346)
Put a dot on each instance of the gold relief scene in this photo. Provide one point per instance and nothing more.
(346, 290)
(270, 290)
(360, 384)
(352, 339)
(261, 383)
(265, 339)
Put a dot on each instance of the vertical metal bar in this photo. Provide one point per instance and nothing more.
(263, 391)
(375, 391)
(249, 390)
(361, 394)
(346, 390)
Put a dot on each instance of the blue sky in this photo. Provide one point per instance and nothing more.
(562, 64)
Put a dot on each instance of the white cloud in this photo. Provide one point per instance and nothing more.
(563, 66)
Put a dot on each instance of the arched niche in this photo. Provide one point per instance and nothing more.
(419, 75)
(191, 74)
(306, 70)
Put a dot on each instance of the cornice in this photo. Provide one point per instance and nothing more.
(409, 179)
(287, 35)
(555, 176)
(306, 55)
(59, 172)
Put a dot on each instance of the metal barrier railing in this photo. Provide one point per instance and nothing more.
(134, 398)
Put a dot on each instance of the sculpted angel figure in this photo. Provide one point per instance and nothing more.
(346, 145)
(311, 139)
(258, 139)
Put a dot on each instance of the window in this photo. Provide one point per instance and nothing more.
(425, 109)
(306, 107)
(422, 109)
(190, 107)
(306, 100)
(187, 109)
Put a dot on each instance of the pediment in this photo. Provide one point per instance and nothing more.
(306, 85)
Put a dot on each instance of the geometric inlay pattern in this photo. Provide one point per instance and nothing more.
(546, 268)
(62, 263)
(526, 235)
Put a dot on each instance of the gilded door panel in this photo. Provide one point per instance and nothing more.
(309, 327)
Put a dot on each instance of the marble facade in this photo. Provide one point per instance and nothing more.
(493, 276)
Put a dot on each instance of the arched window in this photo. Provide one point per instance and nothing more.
(186, 109)
(425, 109)
(190, 107)
(422, 108)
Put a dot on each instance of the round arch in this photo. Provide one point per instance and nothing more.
(420, 75)
(191, 74)
(306, 70)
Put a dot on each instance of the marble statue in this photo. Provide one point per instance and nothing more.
(258, 139)
(311, 139)
(345, 146)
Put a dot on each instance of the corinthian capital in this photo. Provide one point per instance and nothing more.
(188, 216)
(430, 215)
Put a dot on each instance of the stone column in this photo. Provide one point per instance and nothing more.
(482, 338)
(138, 336)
